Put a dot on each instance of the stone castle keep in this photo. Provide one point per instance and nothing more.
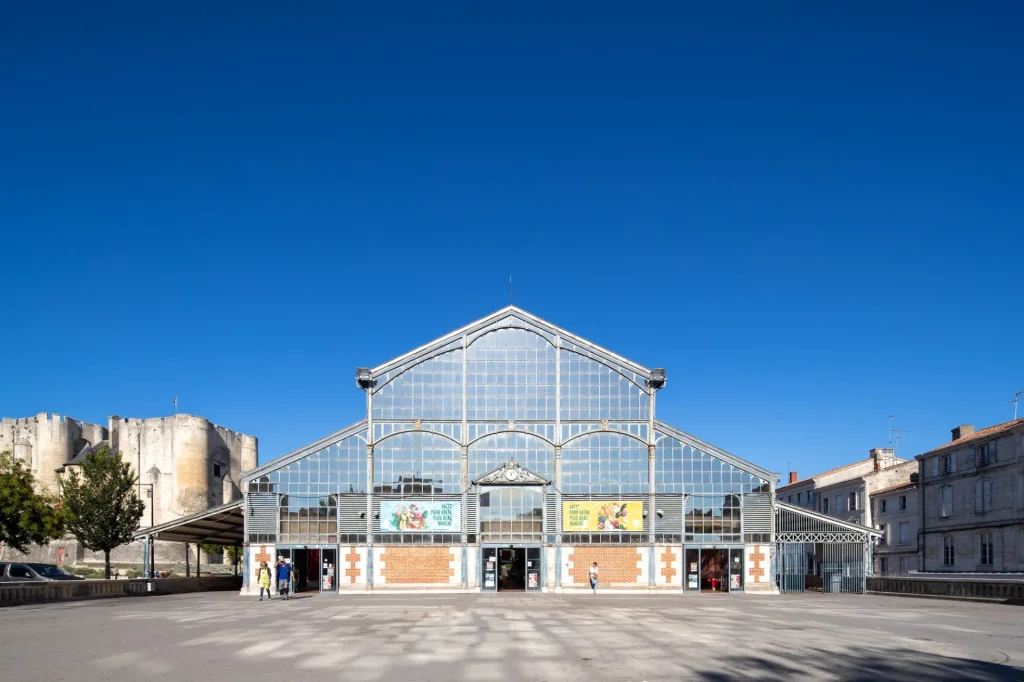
(192, 463)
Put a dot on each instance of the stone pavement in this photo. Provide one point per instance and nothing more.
(538, 637)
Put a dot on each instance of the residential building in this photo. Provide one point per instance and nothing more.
(972, 517)
(895, 510)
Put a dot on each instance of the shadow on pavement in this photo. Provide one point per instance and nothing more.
(863, 666)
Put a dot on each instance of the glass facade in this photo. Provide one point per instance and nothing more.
(606, 463)
(513, 389)
(417, 463)
(511, 515)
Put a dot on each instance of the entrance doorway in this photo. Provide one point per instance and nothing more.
(513, 568)
(713, 570)
(315, 569)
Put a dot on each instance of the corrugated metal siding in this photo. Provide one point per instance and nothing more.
(672, 520)
(757, 513)
(472, 517)
(352, 513)
(263, 513)
(552, 511)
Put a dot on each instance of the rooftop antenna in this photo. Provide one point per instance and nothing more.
(175, 406)
(897, 434)
(891, 417)
(510, 289)
(1016, 399)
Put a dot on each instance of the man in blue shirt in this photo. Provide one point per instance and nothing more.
(284, 577)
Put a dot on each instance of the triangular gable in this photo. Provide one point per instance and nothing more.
(510, 317)
(511, 473)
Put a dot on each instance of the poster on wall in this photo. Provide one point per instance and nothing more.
(691, 582)
(420, 516)
(603, 516)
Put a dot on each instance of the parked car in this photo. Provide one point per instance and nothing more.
(11, 573)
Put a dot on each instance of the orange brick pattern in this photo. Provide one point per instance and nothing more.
(668, 572)
(352, 572)
(614, 565)
(757, 571)
(410, 565)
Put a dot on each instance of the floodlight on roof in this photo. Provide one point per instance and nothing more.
(364, 378)
(657, 378)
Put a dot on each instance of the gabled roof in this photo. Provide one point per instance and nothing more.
(680, 435)
(981, 434)
(510, 317)
(826, 473)
(825, 518)
(359, 428)
(895, 488)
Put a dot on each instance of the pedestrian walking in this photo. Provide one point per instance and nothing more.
(593, 577)
(263, 578)
(284, 578)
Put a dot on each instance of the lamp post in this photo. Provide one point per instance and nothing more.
(152, 518)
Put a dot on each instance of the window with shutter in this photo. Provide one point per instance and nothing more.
(947, 501)
(935, 466)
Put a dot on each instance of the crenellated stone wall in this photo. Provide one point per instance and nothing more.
(192, 464)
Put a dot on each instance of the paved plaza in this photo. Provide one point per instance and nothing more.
(448, 638)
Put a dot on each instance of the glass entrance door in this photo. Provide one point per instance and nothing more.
(533, 569)
(328, 570)
(735, 570)
(713, 570)
(489, 568)
(692, 570)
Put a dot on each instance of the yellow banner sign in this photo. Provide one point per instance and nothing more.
(604, 516)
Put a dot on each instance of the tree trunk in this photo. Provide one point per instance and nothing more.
(106, 562)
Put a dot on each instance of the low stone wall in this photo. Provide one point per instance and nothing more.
(15, 594)
(1003, 590)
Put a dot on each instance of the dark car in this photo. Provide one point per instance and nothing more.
(10, 573)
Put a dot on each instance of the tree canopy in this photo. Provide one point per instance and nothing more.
(102, 506)
(26, 517)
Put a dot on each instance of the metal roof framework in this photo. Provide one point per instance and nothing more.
(795, 524)
(509, 317)
(223, 525)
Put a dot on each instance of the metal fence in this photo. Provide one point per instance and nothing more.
(815, 552)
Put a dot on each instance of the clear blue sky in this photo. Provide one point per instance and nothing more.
(811, 216)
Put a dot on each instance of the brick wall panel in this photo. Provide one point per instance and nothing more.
(615, 565)
(417, 565)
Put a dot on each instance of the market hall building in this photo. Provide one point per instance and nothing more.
(512, 455)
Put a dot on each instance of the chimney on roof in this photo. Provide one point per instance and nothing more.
(962, 431)
(883, 457)
(792, 477)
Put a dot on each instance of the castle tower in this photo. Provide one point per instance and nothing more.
(191, 446)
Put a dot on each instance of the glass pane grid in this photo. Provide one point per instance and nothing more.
(604, 462)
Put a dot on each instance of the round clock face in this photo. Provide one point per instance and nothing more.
(510, 474)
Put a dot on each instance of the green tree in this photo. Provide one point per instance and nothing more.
(102, 506)
(234, 554)
(26, 517)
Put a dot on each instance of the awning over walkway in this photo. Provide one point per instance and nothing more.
(796, 524)
(224, 525)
